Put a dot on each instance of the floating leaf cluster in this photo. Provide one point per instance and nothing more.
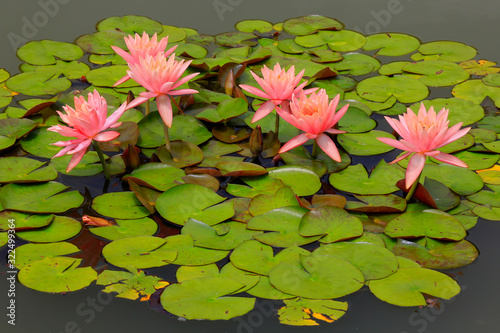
(235, 223)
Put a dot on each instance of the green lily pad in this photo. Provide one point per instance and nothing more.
(356, 64)
(437, 254)
(256, 257)
(306, 25)
(206, 299)
(405, 287)
(293, 312)
(254, 25)
(28, 253)
(391, 44)
(175, 34)
(38, 142)
(476, 91)
(487, 212)
(264, 289)
(89, 165)
(236, 39)
(127, 228)
(405, 89)
(460, 110)
(355, 179)
(189, 254)
(130, 24)
(16, 128)
(190, 129)
(437, 73)
(158, 176)
(256, 185)
(326, 56)
(208, 237)
(37, 83)
(226, 110)
(319, 277)
(392, 68)
(120, 205)
(236, 169)
(333, 223)
(129, 285)
(71, 70)
(204, 205)
(139, 252)
(491, 124)
(56, 275)
(461, 180)
(181, 154)
(446, 50)
(375, 106)
(356, 121)
(377, 204)
(185, 273)
(478, 161)
(485, 197)
(25, 170)
(346, 41)
(315, 40)
(23, 221)
(283, 226)
(302, 180)
(46, 52)
(492, 80)
(375, 262)
(264, 203)
(61, 228)
(365, 144)
(107, 76)
(431, 223)
(39, 198)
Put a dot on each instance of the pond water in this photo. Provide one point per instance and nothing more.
(474, 23)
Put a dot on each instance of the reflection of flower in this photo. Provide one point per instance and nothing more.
(139, 47)
(421, 135)
(278, 85)
(160, 76)
(88, 121)
(314, 115)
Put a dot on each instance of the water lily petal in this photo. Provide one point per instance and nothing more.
(294, 142)
(328, 146)
(414, 169)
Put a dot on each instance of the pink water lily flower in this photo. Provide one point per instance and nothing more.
(314, 115)
(279, 86)
(139, 47)
(160, 77)
(87, 121)
(421, 135)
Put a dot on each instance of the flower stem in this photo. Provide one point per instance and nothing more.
(147, 107)
(315, 149)
(277, 125)
(167, 137)
(412, 189)
(103, 160)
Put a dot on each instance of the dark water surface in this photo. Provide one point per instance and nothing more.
(476, 23)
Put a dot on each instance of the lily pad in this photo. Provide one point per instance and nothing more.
(461, 180)
(138, 252)
(100, 42)
(283, 226)
(405, 89)
(446, 50)
(206, 299)
(437, 73)
(226, 110)
(130, 285)
(263, 203)
(365, 144)
(236, 169)
(304, 312)
(460, 110)
(254, 25)
(127, 228)
(480, 67)
(56, 275)
(437, 254)
(264, 289)
(476, 91)
(377, 204)
(107, 76)
(405, 287)
(39, 198)
(181, 154)
(256, 185)
(61, 228)
(355, 179)
(71, 70)
(346, 41)
(332, 223)
(391, 44)
(302, 180)
(37, 83)
(306, 25)
(120, 205)
(477, 161)
(357, 64)
(256, 257)
(318, 277)
(29, 253)
(431, 223)
(158, 176)
(204, 205)
(46, 52)
(25, 170)
(375, 262)
(189, 254)
(130, 24)
(23, 221)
